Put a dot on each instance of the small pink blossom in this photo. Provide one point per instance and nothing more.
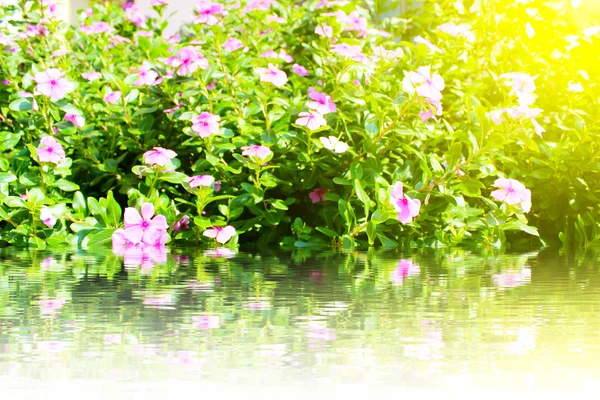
(324, 30)
(187, 60)
(405, 269)
(212, 85)
(318, 194)
(47, 217)
(49, 306)
(354, 22)
(112, 97)
(312, 120)
(522, 85)
(207, 12)
(200, 180)
(77, 120)
(406, 207)
(322, 103)
(273, 74)
(50, 150)
(460, 30)
(135, 15)
(512, 192)
(144, 228)
(346, 50)
(91, 76)
(299, 70)
(257, 151)
(183, 223)
(158, 156)
(53, 84)
(206, 124)
(158, 3)
(262, 5)
(285, 56)
(276, 18)
(429, 85)
(434, 109)
(147, 77)
(96, 28)
(221, 235)
(206, 321)
(232, 44)
(171, 111)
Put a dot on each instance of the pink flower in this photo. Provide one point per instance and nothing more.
(461, 30)
(429, 85)
(143, 228)
(312, 120)
(512, 192)
(322, 103)
(432, 47)
(405, 269)
(206, 322)
(522, 85)
(275, 18)
(91, 76)
(354, 22)
(77, 120)
(512, 279)
(299, 70)
(406, 207)
(52, 83)
(257, 151)
(232, 44)
(47, 217)
(147, 77)
(158, 156)
(119, 241)
(318, 194)
(171, 111)
(324, 30)
(285, 56)
(158, 3)
(221, 235)
(262, 5)
(380, 52)
(50, 150)
(273, 74)
(187, 60)
(200, 180)
(206, 12)
(135, 15)
(343, 49)
(183, 223)
(96, 27)
(212, 85)
(429, 113)
(206, 124)
(50, 306)
(113, 97)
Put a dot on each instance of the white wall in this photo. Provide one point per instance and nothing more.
(183, 10)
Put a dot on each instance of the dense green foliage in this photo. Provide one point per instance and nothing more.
(448, 162)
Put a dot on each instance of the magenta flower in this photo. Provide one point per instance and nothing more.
(318, 194)
(354, 22)
(47, 217)
(512, 192)
(77, 120)
(158, 156)
(183, 223)
(429, 85)
(232, 44)
(119, 241)
(112, 97)
(324, 30)
(405, 269)
(221, 235)
(322, 103)
(206, 322)
(135, 15)
(406, 207)
(187, 60)
(143, 228)
(147, 77)
(206, 124)
(50, 150)
(207, 11)
(299, 70)
(200, 180)
(257, 151)
(91, 76)
(52, 83)
(273, 74)
(312, 120)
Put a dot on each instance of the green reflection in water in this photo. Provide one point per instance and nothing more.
(427, 319)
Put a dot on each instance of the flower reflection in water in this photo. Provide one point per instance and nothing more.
(405, 269)
(512, 279)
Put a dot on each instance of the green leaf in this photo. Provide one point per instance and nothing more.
(7, 177)
(520, 226)
(173, 177)
(65, 185)
(362, 195)
(327, 231)
(22, 104)
(79, 204)
(99, 238)
(113, 211)
(371, 232)
(37, 243)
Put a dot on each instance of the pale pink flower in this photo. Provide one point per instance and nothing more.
(512, 279)
(206, 124)
(119, 240)
(273, 74)
(380, 52)
(221, 235)
(187, 60)
(91, 76)
(432, 47)
(354, 22)
(429, 85)
(112, 97)
(53, 84)
(460, 30)
(434, 109)
(522, 85)
(257, 151)
(405, 269)
(318, 194)
(406, 207)
(158, 3)
(324, 30)
(270, 54)
(59, 53)
(147, 77)
(207, 11)
(232, 44)
(77, 120)
(50, 150)
(158, 156)
(49, 306)
(275, 18)
(143, 228)
(47, 217)
(285, 56)
(206, 321)
(299, 70)
(135, 15)
(183, 223)
(323, 104)
(262, 5)
(334, 144)
(96, 27)
(171, 111)
(512, 192)
(212, 85)
(200, 180)
(312, 120)
(352, 51)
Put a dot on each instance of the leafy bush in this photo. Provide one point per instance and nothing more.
(304, 124)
